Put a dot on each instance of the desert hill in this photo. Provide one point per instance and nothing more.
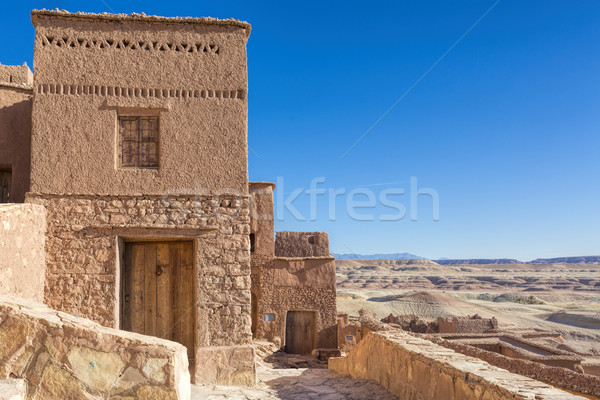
(427, 275)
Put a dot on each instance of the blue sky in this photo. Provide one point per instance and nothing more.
(504, 128)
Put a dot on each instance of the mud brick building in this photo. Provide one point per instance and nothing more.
(293, 281)
(132, 135)
(138, 152)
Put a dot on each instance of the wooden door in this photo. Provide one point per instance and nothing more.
(5, 178)
(158, 291)
(300, 329)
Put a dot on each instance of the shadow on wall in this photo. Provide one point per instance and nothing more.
(15, 146)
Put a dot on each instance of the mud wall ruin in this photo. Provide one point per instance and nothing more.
(474, 324)
(415, 368)
(15, 119)
(22, 255)
(560, 375)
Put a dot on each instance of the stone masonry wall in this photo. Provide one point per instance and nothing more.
(296, 284)
(22, 257)
(414, 368)
(466, 324)
(63, 357)
(302, 244)
(85, 235)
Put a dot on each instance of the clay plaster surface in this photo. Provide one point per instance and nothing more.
(90, 70)
(22, 256)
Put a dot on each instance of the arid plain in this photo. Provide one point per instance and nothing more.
(556, 297)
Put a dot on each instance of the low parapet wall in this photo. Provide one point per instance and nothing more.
(22, 255)
(556, 375)
(415, 368)
(63, 357)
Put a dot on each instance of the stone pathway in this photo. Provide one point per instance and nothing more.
(281, 376)
(294, 384)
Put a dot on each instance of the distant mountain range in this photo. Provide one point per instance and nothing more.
(447, 261)
(568, 260)
(393, 256)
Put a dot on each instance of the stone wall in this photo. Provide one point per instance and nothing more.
(474, 324)
(22, 257)
(414, 368)
(302, 244)
(349, 332)
(15, 131)
(562, 377)
(86, 236)
(63, 357)
(295, 284)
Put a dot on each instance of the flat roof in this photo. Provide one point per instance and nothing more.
(135, 17)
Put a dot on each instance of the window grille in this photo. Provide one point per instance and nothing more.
(138, 142)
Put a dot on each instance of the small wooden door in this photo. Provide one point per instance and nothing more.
(5, 178)
(300, 330)
(158, 291)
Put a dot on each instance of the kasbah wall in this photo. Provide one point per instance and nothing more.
(62, 126)
(15, 127)
(89, 71)
(294, 273)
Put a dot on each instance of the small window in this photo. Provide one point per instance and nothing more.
(269, 317)
(311, 240)
(252, 242)
(349, 338)
(5, 179)
(138, 142)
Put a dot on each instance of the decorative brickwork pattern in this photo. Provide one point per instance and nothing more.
(128, 44)
(114, 91)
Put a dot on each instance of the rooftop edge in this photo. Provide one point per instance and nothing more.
(136, 17)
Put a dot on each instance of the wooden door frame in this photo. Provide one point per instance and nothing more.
(316, 330)
(122, 242)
